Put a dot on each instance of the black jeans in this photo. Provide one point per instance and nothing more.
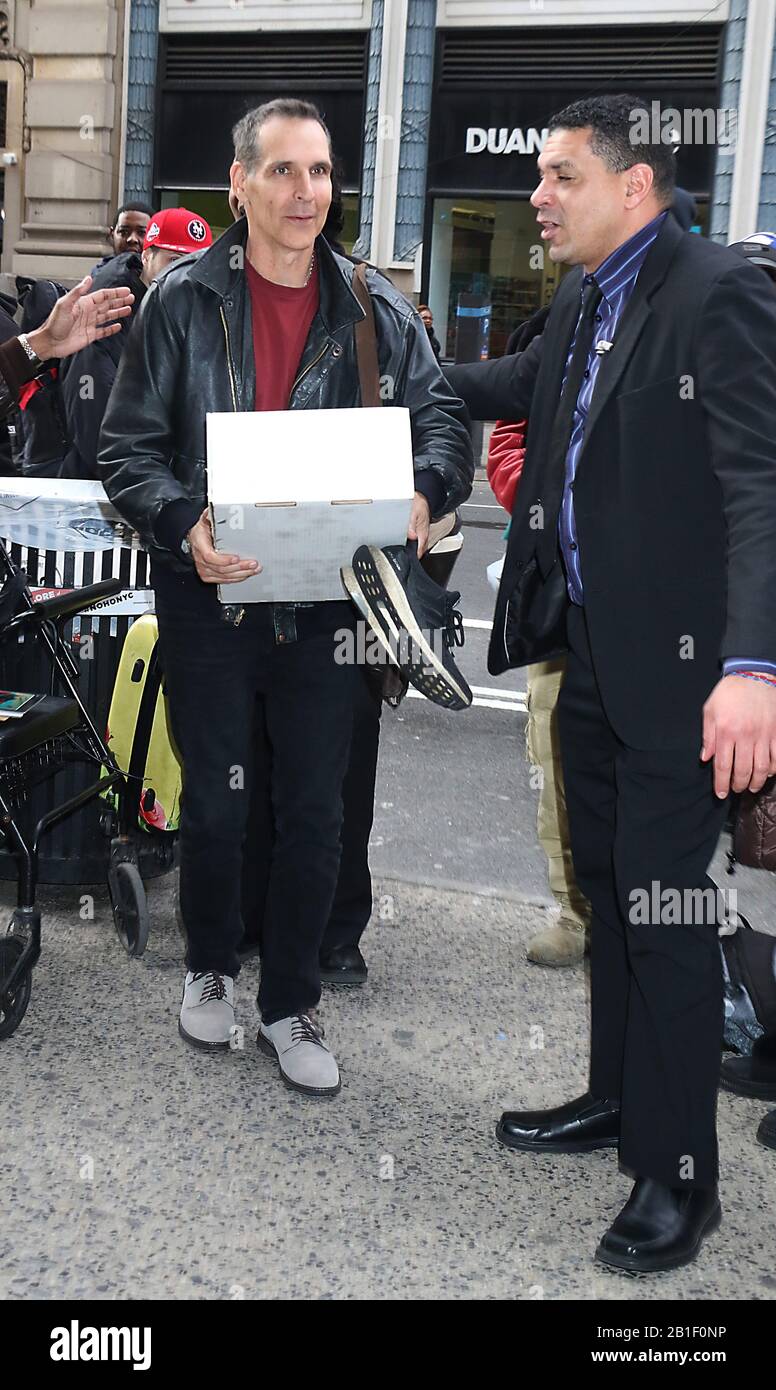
(217, 677)
(352, 905)
(638, 818)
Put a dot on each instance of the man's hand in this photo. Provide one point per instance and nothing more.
(213, 567)
(420, 520)
(739, 733)
(80, 318)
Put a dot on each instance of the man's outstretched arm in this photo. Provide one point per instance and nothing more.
(498, 390)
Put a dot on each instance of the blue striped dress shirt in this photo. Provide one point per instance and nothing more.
(616, 278)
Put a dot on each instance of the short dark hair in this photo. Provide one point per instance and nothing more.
(245, 133)
(132, 207)
(612, 120)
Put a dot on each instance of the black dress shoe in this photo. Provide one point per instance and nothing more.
(342, 965)
(767, 1131)
(580, 1125)
(754, 1075)
(659, 1227)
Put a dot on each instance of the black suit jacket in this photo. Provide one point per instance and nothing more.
(675, 492)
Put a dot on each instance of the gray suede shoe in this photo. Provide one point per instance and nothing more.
(305, 1062)
(207, 1011)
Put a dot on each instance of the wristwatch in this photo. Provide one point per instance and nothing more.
(29, 352)
(186, 547)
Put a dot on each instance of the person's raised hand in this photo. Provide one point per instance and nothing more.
(80, 318)
(213, 566)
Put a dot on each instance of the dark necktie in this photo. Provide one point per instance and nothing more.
(564, 423)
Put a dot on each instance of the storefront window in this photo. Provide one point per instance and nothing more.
(492, 248)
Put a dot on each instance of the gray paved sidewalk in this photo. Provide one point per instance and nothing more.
(135, 1167)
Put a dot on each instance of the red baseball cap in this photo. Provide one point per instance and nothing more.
(177, 229)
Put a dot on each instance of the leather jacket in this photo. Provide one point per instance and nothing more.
(191, 352)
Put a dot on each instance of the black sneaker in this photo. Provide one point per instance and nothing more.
(416, 623)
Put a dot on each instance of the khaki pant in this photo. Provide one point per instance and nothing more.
(544, 681)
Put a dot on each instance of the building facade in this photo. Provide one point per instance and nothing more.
(437, 110)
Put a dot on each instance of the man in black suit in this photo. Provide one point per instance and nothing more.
(643, 543)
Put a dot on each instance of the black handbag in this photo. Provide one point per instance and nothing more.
(749, 970)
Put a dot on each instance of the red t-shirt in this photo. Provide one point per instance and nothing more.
(281, 316)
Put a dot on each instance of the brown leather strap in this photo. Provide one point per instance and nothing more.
(366, 342)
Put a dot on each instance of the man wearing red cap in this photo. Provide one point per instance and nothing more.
(87, 377)
(170, 234)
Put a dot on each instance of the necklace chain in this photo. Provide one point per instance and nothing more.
(310, 271)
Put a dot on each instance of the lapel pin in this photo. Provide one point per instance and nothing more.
(603, 347)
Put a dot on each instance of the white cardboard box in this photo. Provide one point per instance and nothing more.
(300, 490)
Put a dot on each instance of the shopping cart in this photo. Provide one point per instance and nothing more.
(54, 732)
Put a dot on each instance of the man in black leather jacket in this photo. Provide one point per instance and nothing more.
(191, 352)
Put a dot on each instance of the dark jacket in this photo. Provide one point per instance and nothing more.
(42, 429)
(87, 378)
(675, 493)
(191, 352)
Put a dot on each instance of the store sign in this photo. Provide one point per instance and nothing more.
(502, 140)
(470, 132)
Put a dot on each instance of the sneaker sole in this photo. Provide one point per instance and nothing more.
(646, 1264)
(377, 579)
(323, 1092)
(432, 677)
(386, 633)
(759, 1090)
(200, 1044)
(533, 1147)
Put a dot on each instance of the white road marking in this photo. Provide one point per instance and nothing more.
(486, 506)
(514, 705)
(498, 693)
(478, 622)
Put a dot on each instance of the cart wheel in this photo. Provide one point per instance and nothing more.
(12, 1012)
(130, 907)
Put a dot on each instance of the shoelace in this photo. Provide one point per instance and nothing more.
(304, 1030)
(214, 989)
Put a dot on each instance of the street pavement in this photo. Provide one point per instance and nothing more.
(454, 804)
(136, 1167)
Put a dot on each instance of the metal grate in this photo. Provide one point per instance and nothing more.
(273, 61)
(596, 59)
